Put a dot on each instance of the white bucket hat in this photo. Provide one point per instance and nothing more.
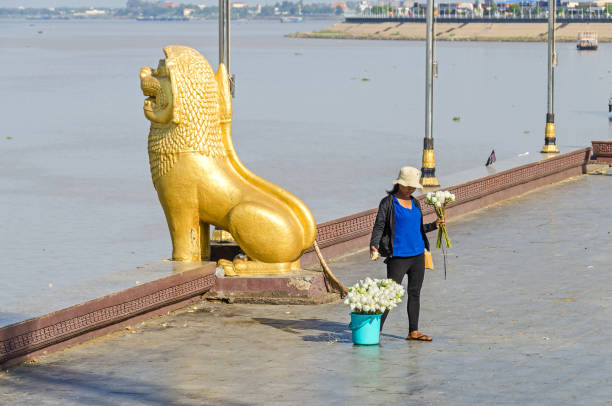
(409, 176)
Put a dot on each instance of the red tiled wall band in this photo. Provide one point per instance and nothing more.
(62, 330)
(602, 148)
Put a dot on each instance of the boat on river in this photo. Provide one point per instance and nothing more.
(291, 19)
(587, 41)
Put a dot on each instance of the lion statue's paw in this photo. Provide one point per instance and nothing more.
(242, 265)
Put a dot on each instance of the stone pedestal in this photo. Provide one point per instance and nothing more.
(299, 287)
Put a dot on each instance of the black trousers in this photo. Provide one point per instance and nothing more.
(397, 267)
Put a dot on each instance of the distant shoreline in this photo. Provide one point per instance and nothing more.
(516, 32)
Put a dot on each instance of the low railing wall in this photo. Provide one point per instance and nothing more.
(22, 341)
(602, 151)
(344, 235)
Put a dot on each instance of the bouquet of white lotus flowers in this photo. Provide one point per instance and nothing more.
(439, 200)
(373, 296)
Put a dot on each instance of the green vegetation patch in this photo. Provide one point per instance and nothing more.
(456, 118)
(328, 32)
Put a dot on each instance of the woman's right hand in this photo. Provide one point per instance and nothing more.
(374, 254)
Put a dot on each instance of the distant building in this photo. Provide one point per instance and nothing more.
(340, 4)
(169, 4)
(94, 12)
(364, 5)
(240, 5)
(465, 6)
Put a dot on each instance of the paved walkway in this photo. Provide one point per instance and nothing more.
(524, 317)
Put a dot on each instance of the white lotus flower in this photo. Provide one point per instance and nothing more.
(373, 296)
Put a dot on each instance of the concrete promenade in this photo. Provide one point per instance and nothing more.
(522, 318)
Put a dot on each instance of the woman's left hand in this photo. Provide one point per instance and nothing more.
(440, 222)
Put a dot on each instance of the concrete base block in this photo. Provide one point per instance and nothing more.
(597, 168)
(298, 287)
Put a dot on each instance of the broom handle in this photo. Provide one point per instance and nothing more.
(328, 273)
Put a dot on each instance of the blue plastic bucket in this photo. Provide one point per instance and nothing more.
(365, 328)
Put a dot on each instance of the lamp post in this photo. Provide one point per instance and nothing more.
(550, 140)
(224, 40)
(428, 169)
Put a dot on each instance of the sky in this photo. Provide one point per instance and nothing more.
(114, 3)
(60, 3)
(121, 3)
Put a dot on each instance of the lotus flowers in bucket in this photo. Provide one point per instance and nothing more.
(439, 200)
(372, 296)
(368, 299)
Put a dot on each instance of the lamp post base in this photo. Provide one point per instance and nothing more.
(550, 140)
(428, 169)
(550, 149)
(430, 181)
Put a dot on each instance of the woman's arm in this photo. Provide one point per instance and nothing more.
(433, 225)
(379, 227)
(428, 227)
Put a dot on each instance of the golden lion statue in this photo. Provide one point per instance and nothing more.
(200, 180)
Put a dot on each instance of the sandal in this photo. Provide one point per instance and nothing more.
(418, 336)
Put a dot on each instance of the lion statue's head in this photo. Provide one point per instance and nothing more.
(183, 106)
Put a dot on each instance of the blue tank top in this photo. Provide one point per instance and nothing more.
(407, 240)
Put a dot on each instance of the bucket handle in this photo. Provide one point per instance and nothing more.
(363, 323)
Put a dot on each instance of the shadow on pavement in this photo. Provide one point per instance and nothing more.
(393, 336)
(330, 331)
(68, 386)
(87, 387)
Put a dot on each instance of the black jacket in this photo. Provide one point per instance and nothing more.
(384, 226)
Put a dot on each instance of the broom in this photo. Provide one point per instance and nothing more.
(334, 282)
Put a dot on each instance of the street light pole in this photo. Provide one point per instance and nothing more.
(224, 40)
(221, 32)
(550, 140)
(428, 169)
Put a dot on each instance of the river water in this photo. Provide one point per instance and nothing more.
(329, 120)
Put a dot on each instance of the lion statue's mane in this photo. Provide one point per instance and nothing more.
(195, 125)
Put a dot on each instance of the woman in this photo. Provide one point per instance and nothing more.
(399, 235)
